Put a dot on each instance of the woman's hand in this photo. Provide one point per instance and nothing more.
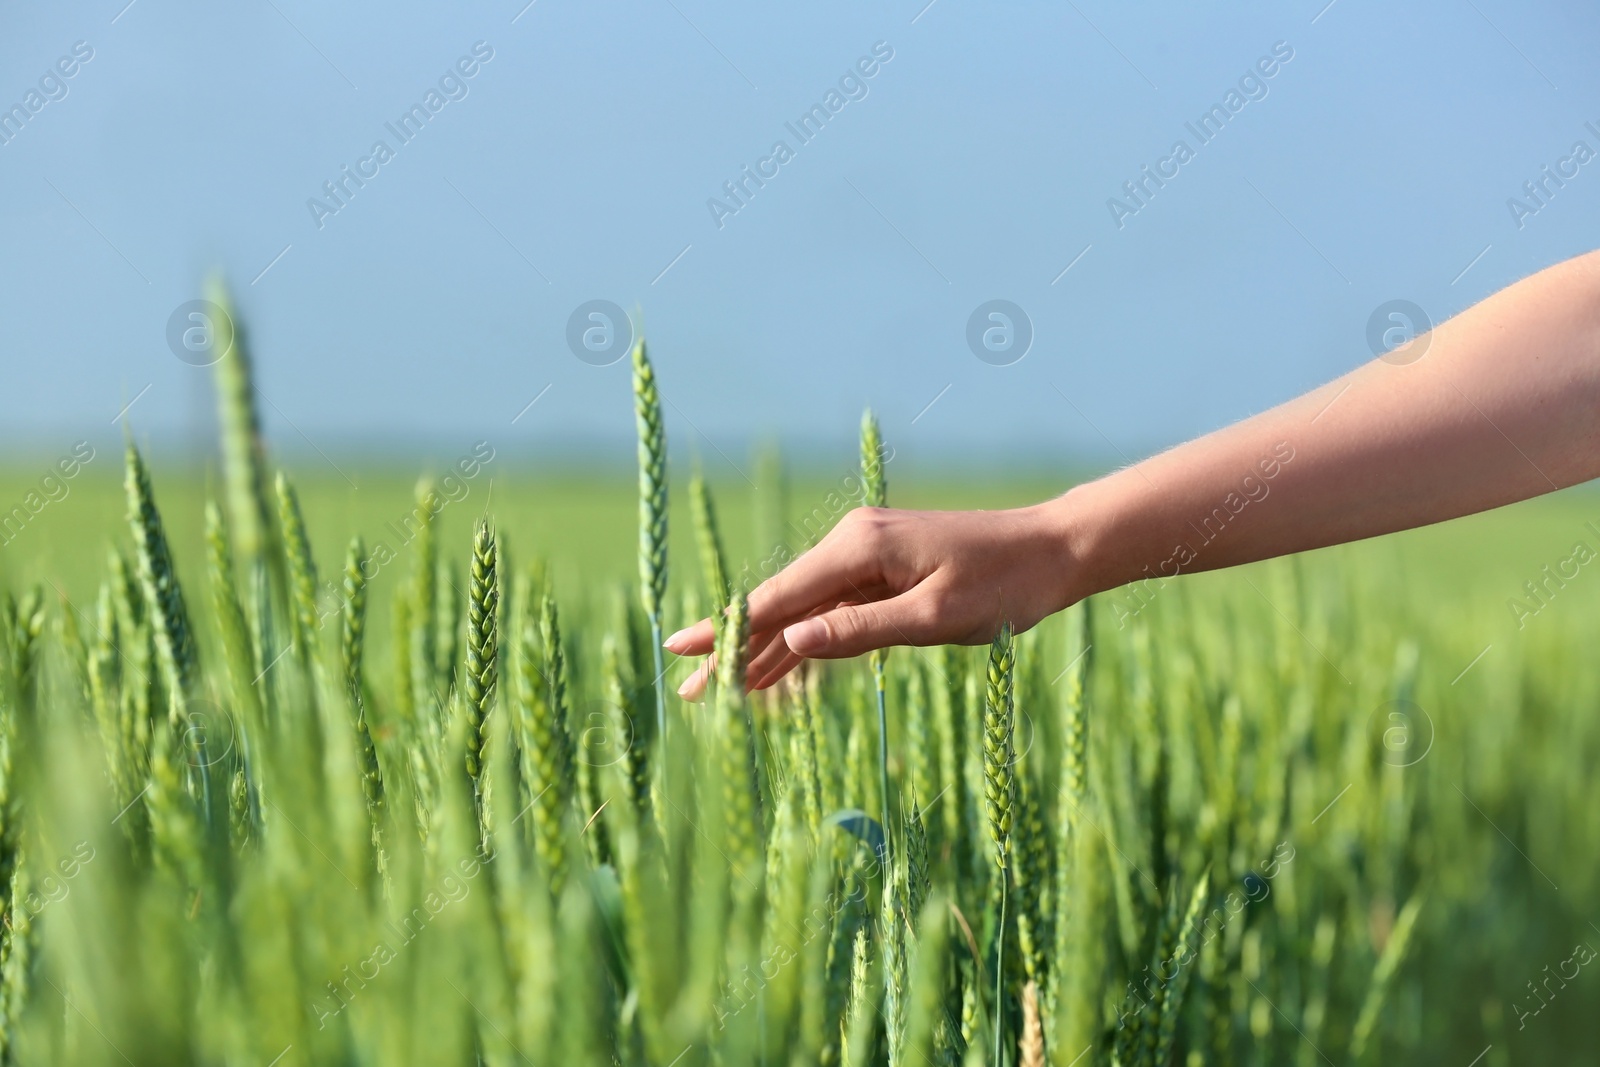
(886, 577)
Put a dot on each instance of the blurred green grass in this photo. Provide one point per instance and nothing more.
(582, 524)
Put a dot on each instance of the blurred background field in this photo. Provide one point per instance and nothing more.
(580, 520)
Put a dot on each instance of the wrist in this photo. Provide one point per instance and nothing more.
(1088, 524)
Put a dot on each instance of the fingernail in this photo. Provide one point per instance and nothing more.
(675, 642)
(687, 687)
(806, 636)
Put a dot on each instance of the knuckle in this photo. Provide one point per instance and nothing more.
(868, 524)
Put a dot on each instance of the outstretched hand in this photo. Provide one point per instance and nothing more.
(885, 577)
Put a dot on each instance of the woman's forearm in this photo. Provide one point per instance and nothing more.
(1496, 405)
(1502, 405)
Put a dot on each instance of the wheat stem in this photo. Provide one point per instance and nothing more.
(652, 518)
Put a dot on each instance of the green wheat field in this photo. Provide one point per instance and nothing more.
(292, 773)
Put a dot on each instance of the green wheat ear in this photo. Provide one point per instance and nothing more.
(482, 663)
(426, 698)
(875, 494)
(741, 816)
(1173, 991)
(999, 770)
(1394, 953)
(229, 611)
(652, 514)
(542, 738)
(874, 486)
(352, 646)
(174, 636)
(710, 542)
(999, 790)
(652, 483)
(243, 454)
(302, 569)
(353, 619)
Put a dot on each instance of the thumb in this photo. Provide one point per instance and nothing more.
(854, 629)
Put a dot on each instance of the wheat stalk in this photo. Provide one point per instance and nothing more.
(1393, 954)
(999, 788)
(710, 542)
(482, 665)
(1172, 990)
(226, 605)
(1030, 1048)
(163, 596)
(543, 740)
(424, 607)
(741, 815)
(874, 490)
(302, 571)
(893, 924)
(1031, 873)
(243, 455)
(352, 645)
(999, 764)
(652, 515)
(353, 616)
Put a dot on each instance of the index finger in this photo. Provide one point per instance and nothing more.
(838, 566)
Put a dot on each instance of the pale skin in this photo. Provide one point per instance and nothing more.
(1499, 404)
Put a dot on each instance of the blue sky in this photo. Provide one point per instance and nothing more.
(974, 165)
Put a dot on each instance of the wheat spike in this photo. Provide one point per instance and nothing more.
(353, 616)
(243, 452)
(426, 698)
(874, 494)
(543, 740)
(652, 513)
(1394, 953)
(710, 542)
(999, 770)
(893, 931)
(303, 620)
(483, 657)
(352, 645)
(999, 790)
(1172, 990)
(741, 814)
(227, 606)
(163, 596)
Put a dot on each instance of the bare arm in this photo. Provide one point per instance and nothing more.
(1497, 405)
